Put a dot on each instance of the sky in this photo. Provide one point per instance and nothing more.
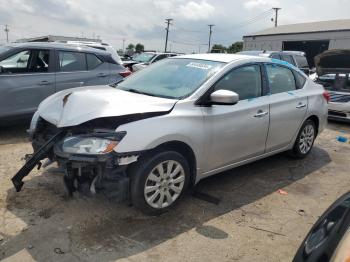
(143, 21)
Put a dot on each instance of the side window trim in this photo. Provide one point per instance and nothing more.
(280, 65)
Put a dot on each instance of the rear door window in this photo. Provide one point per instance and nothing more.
(281, 79)
(93, 61)
(245, 81)
(71, 61)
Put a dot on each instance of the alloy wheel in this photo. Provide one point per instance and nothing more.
(306, 140)
(164, 184)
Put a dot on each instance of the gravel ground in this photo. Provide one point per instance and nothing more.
(253, 222)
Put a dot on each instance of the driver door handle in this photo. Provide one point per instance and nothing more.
(261, 113)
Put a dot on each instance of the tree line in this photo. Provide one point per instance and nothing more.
(234, 48)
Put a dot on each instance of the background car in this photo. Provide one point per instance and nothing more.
(147, 58)
(332, 72)
(30, 72)
(295, 58)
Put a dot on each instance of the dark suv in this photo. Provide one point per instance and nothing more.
(295, 58)
(30, 72)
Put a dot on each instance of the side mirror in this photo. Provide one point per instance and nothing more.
(224, 97)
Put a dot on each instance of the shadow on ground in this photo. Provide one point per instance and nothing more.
(15, 133)
(81, 227)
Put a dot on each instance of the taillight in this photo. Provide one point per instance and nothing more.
(125, 73)
(326, 96)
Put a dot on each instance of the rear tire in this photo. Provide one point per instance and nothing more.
(158, 182)
(305, 140)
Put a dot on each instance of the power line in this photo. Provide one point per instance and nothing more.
(249, 21)
(168, 22)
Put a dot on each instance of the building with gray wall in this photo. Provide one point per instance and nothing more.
(311, 38)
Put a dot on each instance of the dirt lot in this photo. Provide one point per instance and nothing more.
(41, 224)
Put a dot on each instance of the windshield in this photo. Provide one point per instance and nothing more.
(171, 78)
(144, 57)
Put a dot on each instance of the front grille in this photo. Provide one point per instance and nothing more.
(340, 98)
(336, 113)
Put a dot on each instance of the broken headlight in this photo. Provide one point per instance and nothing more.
(90, 145)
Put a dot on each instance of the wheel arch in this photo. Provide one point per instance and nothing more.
(316, 120)
(183, 149)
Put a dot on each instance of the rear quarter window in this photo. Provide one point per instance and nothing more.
(299, 79)
(93, 61)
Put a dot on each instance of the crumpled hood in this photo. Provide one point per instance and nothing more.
(78, 105)
(333, 61)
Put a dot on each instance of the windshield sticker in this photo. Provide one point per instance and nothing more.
(199, 65)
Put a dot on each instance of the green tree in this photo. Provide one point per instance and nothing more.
(130, 47)
(139, 48)
(218, 48)
(235, 47)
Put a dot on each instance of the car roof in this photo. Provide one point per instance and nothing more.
(225, 58)
(55, 45)
(268, 52)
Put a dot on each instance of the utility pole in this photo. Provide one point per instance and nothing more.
(124, 45)
(168, 22)
(7, 30)
(210, 32)
(276, 15)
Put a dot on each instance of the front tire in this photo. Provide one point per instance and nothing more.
(305, 139)
(158, 182)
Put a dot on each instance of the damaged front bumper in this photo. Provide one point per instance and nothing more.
(105, 172)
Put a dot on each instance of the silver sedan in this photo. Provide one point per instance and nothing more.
(176, 122)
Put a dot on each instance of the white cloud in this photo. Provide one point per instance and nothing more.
(195, 11)
(143, 20)
(255, 4)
